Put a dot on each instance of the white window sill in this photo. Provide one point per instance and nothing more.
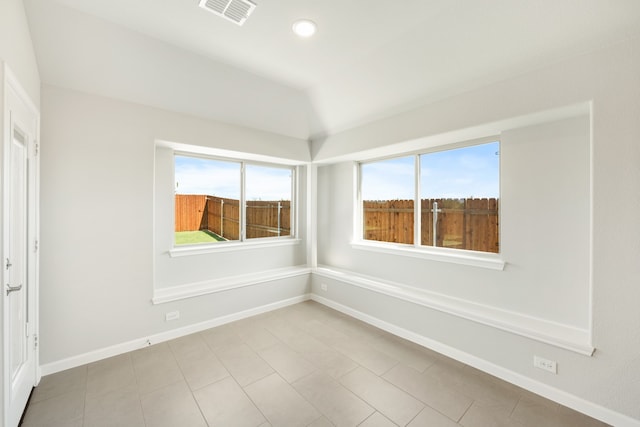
(456, 256)
(232, 246)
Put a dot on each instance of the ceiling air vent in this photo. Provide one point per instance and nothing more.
(234, 10)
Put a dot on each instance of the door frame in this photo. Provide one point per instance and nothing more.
(12, 85)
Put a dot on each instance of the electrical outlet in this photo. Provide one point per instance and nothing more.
(546, 364)
(324, 287)
(173, 315)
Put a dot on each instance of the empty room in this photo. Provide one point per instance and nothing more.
(320, 213)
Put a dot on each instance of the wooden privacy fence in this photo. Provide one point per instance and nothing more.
(189, 211)
(222, 216)
(459, 223)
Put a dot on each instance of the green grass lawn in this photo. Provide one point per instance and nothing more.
(193, 237)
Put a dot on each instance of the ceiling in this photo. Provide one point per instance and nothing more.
(368, 60)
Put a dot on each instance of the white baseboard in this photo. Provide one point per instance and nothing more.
(549, 332)
(581, 405)
(103, 353)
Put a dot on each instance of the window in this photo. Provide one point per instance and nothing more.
(210, 194)
(446, 198)
(388, 192)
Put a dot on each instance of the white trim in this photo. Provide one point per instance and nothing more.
(114, 350)
(456, 256)
(190, 290)
(229, 154)
(294, 212)
(311, 198)
(552, 393)
(557, 334)
(591, 222)
(266, 242)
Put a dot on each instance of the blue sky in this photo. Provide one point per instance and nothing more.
(222, 178)
(460, 173)
(464, 172)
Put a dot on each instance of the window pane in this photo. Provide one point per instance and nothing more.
(207, 200)
(460, 191)
(388, 190)
(268, 196)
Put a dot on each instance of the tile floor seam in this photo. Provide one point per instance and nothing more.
(515, 406)
(363, 421)
(153, 390)
(416, 415)
(465, 412)
(321, 416)
(184, 378)
(426, 404)
(302, 378)
(349, 371)
(316, 407)
(251, 400)
(293, 389)
(387, 371)
(86, 387)
(352, 359)
(135, 378)
(179, 368)
(199, 407)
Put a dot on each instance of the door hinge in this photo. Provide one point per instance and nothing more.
(37, 148)
(35, 341)
(36, 246)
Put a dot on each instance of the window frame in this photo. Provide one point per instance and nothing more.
(488, 260)
(242, 243)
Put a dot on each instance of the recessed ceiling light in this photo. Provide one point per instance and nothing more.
(304, 28)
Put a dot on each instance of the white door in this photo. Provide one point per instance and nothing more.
(19, 261)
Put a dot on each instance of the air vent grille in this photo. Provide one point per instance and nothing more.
(233, 10)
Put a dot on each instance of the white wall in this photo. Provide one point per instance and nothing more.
(97, 243)
(16, 48)
(546, 276)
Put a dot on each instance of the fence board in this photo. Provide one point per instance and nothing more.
(189, 212)
(222, 216)
(470, 224)
(268, 218)
(388, 220)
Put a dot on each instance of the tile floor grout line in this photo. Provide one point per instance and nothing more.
(86, 387)
(516, 405)
(465, 411)
(135, 378)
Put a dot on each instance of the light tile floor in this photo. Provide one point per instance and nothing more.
(304, 365)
